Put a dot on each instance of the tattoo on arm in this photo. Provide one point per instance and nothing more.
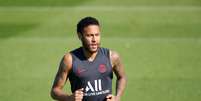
(61, 77)
(118, 69)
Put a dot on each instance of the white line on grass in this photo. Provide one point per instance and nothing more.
(104, 8)
(115, 39)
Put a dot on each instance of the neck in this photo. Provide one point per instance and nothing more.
(89, 55)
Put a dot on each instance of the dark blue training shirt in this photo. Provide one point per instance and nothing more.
(94, 76)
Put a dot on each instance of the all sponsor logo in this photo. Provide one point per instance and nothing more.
(91, 90)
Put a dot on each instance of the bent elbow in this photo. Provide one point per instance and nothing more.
(53, 94)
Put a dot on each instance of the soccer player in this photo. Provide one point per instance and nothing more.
(89, 68)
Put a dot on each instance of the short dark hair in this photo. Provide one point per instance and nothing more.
(86, 22)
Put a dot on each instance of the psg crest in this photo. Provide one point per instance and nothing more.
(102, 68)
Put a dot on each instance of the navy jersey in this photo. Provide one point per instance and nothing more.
(94, 76)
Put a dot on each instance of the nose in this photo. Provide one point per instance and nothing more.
(93, 39)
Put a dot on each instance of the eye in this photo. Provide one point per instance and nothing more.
(97, 34)
(88, 35)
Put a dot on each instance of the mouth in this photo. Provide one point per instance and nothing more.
(93, 45)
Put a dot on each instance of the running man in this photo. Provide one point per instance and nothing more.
(89, 68)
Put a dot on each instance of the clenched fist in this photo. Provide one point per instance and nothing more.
(111, 97)
(77, 95)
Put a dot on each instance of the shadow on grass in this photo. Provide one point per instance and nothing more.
(41, 2)
(10, 30)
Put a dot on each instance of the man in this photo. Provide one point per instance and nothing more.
(89, 68)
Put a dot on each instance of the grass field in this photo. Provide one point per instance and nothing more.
(159, 41)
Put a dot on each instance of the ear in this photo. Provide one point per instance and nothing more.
(79, 35)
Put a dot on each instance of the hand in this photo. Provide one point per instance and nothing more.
(111, 97)
(77, 95)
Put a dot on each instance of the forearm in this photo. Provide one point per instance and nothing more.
(60, 95)
(120, 86)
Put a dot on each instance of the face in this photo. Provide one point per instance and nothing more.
(91, 38)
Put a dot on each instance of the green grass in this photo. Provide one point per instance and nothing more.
(97, 2)
(135, 22)
(157, 68)
(159, 42)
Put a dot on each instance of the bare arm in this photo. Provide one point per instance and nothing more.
(56, 92)
(119, 72)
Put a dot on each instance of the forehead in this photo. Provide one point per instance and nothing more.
(92, 29)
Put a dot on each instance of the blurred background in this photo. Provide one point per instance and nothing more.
(159, 42)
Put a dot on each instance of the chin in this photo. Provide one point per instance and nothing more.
(93, 50)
